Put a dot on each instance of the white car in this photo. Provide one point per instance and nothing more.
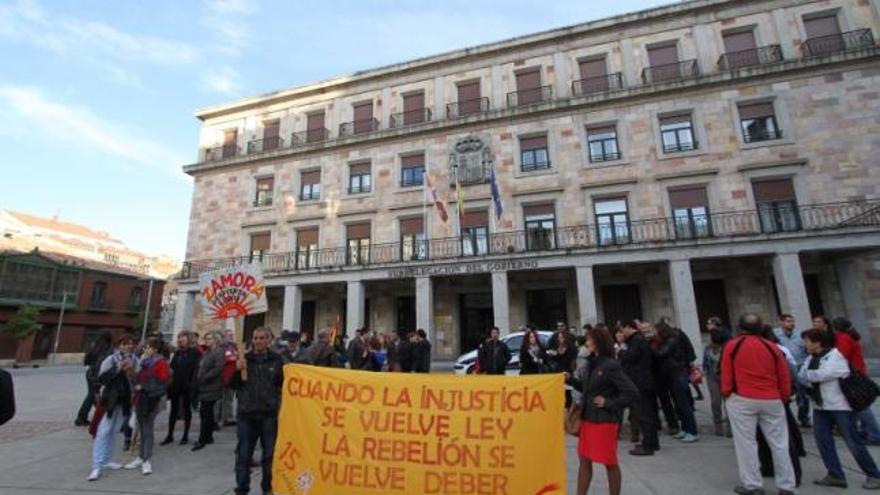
(466, 363)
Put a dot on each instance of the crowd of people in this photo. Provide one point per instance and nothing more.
(637, 371)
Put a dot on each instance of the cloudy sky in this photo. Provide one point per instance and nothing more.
(97, 97)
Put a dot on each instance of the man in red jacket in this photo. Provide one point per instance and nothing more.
(756, 381)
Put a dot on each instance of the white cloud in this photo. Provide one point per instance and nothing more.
(82, 127)
(225, 81)
(231, 6)
(227, 20)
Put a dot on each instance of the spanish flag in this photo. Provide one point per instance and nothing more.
(334, 330)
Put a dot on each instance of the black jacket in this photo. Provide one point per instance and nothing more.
(319, 354)
(676, 353)
(400, 355)
(528, 365)
(421, 356)
(605, 377)
(493, 357)
(357, 360)
(637, 361)
(184, 366)
(116, 386)
(7, 397)
(561, 362)
(260, 394)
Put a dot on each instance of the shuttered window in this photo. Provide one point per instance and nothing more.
(688, 198)
(777, 206)
(357, 230)
(677, 133)
(359, 180)
(825, 25)
(412, 170)
(593, 68)
(739, 41)
(662, 55)
(260, 244)
(315, 127)
(538, 210)
(265, 188)
(540, 225)
(773, 190)
(306, 248)
(311, 185)
(534, 154)
(690, 212)
(475, 219)
(411, 226)
(307, 237)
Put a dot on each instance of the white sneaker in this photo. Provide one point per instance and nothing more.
(688, 438)
(136, 463)
(147, 468)
(113, 465)
(95, 474)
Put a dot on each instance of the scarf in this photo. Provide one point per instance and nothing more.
(815, 391)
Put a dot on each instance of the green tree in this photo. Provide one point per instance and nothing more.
(24, 323)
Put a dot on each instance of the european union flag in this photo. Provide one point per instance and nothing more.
(496, 194)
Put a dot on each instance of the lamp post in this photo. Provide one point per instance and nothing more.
(147, 311)
(58, 329)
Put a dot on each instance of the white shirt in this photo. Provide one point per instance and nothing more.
(832, 367)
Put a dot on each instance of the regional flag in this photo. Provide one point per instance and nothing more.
(441, 208)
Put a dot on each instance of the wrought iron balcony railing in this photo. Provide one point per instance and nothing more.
(467, 107)
(411, 117)
(679, 147)
(530, 96)
(667, 231)
(220, 152)
(837, 43)
(309, 136)
(266, 144)
(769, 54)
(765, 135)
(599, 84)
(263, 201)
(604, 157)
(685, 69)
(358, 127)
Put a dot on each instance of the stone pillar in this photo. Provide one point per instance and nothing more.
(684, 303)
(425, 305)
(786, 37)
(563, 81)
(385, 115)
(586, 292)
(705, 44)
(292, 311)
(501, 302)
(630, 64)
(354, 307)
(183, 312)
(853, 298)
(790, 288)
(439, 100)
(496, 93)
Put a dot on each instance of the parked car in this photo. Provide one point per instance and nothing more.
(466, 363)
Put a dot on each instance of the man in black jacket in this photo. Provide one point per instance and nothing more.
(421, 348)
(7, 397)
(258, 378)
(636, 357)
(493, 354)
(358, 350)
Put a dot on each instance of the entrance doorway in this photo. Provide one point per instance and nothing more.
(476, 317)
(545, 307)
(307, 319)
(814, 294)
(621, 302)
(711, 301)
(406, 313)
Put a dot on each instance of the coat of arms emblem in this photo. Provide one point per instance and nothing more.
(470, 160)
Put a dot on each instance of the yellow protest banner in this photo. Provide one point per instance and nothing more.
(363, 433)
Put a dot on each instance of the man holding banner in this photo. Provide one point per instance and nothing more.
(258, 378)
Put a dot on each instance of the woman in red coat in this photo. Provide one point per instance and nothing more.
(848, 342)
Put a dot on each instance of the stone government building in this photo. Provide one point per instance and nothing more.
(709, 157)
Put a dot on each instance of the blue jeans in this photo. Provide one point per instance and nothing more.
(823, 423)
(868, 428)
(803, 403)
(105, 438)
(684, 406)
(251, 428)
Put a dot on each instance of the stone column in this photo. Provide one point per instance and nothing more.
(385, 115)
(631, 76)
(684, 303)
(705, 44)
(501, 302)
(563, 81)
(853, 298)
(183, 312)
(425, 305)
(292, 311)
(354, 307)
(439, 100)
(790, 288)
(586, 292)
(786, 37)
(496, 93)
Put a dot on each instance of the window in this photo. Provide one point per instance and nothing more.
(136, 298)
(99, 295)
(265, 188)
(359, 180)
(664, 63)
(821, 25)
(469, 101)
(528, 88)
(758, 122)
(230, 143)
(310, 188)
(413, 244)
(740, 49)
(823, 35)
(677, 133)
(533, 153)
(612, 221)
(690, 212)
(315, 127)
(777, 206)
(602, 142)
(414, 108)
(475, 233)
(363, 117)
(306, 248)
(594, 75)
(540, 226)
(357, 236)
(259, 245)
(412, 170)
(271, 135)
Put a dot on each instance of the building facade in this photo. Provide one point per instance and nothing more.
(706, 158)
(96, 297)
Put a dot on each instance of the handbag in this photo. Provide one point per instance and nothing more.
(573, 420)
(859, 390)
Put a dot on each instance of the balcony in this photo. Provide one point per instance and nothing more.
(679, 147)
(310, 136)
(607, 156)
(762, 135)
(769, 54)
(355, 127)
(599, 84)
(266, 144)
(657, 232)
(838, 43)
(531, 96)
(221, 152)
(467, 107)
(411, 117)
(685, 69)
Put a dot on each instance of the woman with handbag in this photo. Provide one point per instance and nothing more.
(821, 373)
(607, 391)
(150, 385)
(847, 340)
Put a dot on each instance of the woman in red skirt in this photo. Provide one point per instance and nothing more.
(607, 391)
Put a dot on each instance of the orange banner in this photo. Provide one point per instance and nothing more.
(363, 433)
